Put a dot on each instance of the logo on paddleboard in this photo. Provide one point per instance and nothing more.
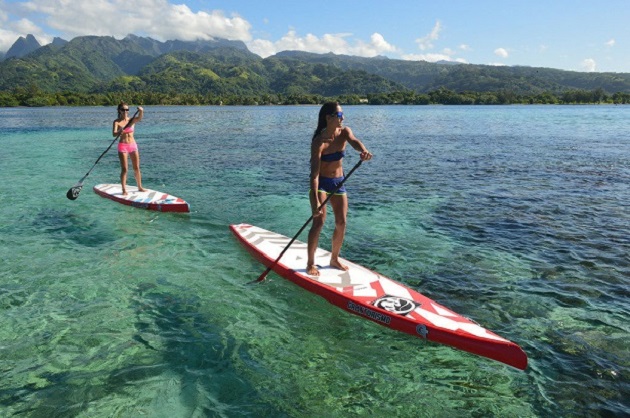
(422, 331)
(362, 310)
(396, 304)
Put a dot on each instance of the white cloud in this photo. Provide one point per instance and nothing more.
(501, 52)
(379, 44)
(610, 43)
(262, 47)
(163, 20)
(336, 43)
(589, 65)
(446, 55)
(292, 41)
(12, 29)
(426, 42)
(158, 19)
(8, 37)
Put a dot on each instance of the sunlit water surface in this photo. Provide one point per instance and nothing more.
(517, 217)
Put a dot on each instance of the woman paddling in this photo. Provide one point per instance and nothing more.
(124, 126)
(327, 151)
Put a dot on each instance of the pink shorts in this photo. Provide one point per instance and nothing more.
(127, 148)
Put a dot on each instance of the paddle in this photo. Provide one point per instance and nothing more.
(264, 275)
(73, 192)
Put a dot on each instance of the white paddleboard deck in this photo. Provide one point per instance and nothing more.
(371, 295)
(148, 199)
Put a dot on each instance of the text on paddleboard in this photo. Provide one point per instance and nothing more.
(362, 310)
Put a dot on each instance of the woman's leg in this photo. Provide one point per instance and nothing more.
(135, 161)
(122, 156)
(313, 236)
(339, 204)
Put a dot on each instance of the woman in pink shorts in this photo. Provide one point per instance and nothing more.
(124, 126)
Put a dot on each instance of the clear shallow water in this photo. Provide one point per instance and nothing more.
(518, 217)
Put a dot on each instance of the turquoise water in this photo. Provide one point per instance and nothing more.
(517, 217)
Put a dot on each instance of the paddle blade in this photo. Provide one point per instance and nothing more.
(73, 193)
(262, 277)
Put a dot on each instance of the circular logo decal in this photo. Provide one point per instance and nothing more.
(396, 304)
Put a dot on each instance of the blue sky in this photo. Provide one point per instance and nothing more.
(570, 35)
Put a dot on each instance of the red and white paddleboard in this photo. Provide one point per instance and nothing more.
(149, 199)
(370, 295)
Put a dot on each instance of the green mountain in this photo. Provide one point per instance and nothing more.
(102, 64)
(23, 46)
(423, 77)
(223, 70)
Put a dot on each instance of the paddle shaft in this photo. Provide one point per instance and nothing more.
(71, 195)
(264, 275)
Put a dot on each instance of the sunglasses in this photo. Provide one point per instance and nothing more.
(337, 114)
(125, 110)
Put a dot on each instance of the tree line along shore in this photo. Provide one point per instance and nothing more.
(32, 96)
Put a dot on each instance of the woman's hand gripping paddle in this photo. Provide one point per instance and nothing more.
(74, 191)
(264, 275)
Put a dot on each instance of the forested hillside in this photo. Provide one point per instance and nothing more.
(220, 71)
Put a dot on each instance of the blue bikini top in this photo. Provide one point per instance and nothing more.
(335, 156)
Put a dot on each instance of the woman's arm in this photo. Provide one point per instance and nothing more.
(357, 144)
(138, 118)
(115, 128)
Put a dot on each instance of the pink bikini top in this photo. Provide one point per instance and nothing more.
(128, 129)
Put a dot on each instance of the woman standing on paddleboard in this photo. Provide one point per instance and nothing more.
(328, 148)
(124, 126)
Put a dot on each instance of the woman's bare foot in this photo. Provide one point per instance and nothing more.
(336, 264)
(311, 270)
(142, 189)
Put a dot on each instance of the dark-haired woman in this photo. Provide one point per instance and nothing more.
(327, 151)
(124, 126)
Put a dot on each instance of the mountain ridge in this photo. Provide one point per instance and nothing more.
(218, 66)
(23, 46)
